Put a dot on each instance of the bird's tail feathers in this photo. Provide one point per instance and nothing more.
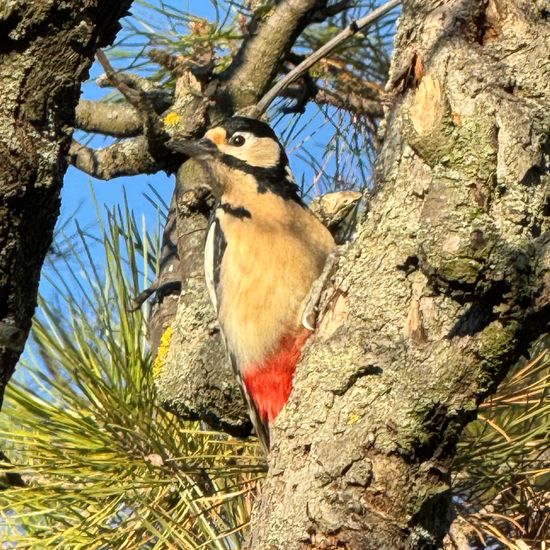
(261, 427)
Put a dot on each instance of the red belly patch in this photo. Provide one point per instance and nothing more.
(269, 383)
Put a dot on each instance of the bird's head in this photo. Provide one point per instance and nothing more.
(244, 146)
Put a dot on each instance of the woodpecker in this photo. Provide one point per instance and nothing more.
(264, 250)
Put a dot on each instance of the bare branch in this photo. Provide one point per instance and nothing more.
(160, 97)
(194, 378)
(302, 94)
(330, 11)
(122, 120)
(110, 119)
(153, 128)
(152, 88)
(351, 102)
(338, 212)
(260, 57)
(125, 158)
(323, 51)
(137, 97)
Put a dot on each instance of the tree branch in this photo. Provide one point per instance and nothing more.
(260, 57)
(110, 119)
(193, 377)
(156, 93)
(323, 51)
(350, 102)
(125, 158)
(323, 14)
(153, 128)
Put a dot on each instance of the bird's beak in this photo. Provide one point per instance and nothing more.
(201, 150)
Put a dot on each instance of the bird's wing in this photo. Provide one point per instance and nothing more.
(261, 427)
(213, 255)
(214, 250)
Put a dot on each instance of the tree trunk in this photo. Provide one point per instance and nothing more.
(46, 49)
(444, 287)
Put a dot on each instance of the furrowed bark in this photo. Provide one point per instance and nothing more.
(47, 48)
(444, 288)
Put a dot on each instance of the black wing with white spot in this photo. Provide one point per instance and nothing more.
(214, 250)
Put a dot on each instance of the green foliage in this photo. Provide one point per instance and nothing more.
(502, 469)
(105, 467)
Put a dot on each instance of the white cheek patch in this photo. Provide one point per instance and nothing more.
(262, 152)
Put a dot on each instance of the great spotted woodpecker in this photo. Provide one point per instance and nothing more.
(264, 250)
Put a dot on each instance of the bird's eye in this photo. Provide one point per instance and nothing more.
(237, 141)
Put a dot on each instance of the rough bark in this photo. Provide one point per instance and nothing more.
(119, 120)
(445, 286)
(124, 158)
(46, 50)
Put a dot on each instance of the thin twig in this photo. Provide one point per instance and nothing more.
(323, 51)
(330, 11)
(152, 126)
(131, 90)
(352, 102)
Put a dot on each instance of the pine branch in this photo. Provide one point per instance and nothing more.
(261, 55)
(323, 51)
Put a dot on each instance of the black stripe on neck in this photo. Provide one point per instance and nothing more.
(274, 179)
(239, 212)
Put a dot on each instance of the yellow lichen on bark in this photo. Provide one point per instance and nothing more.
(172, 118)
(162, 351)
